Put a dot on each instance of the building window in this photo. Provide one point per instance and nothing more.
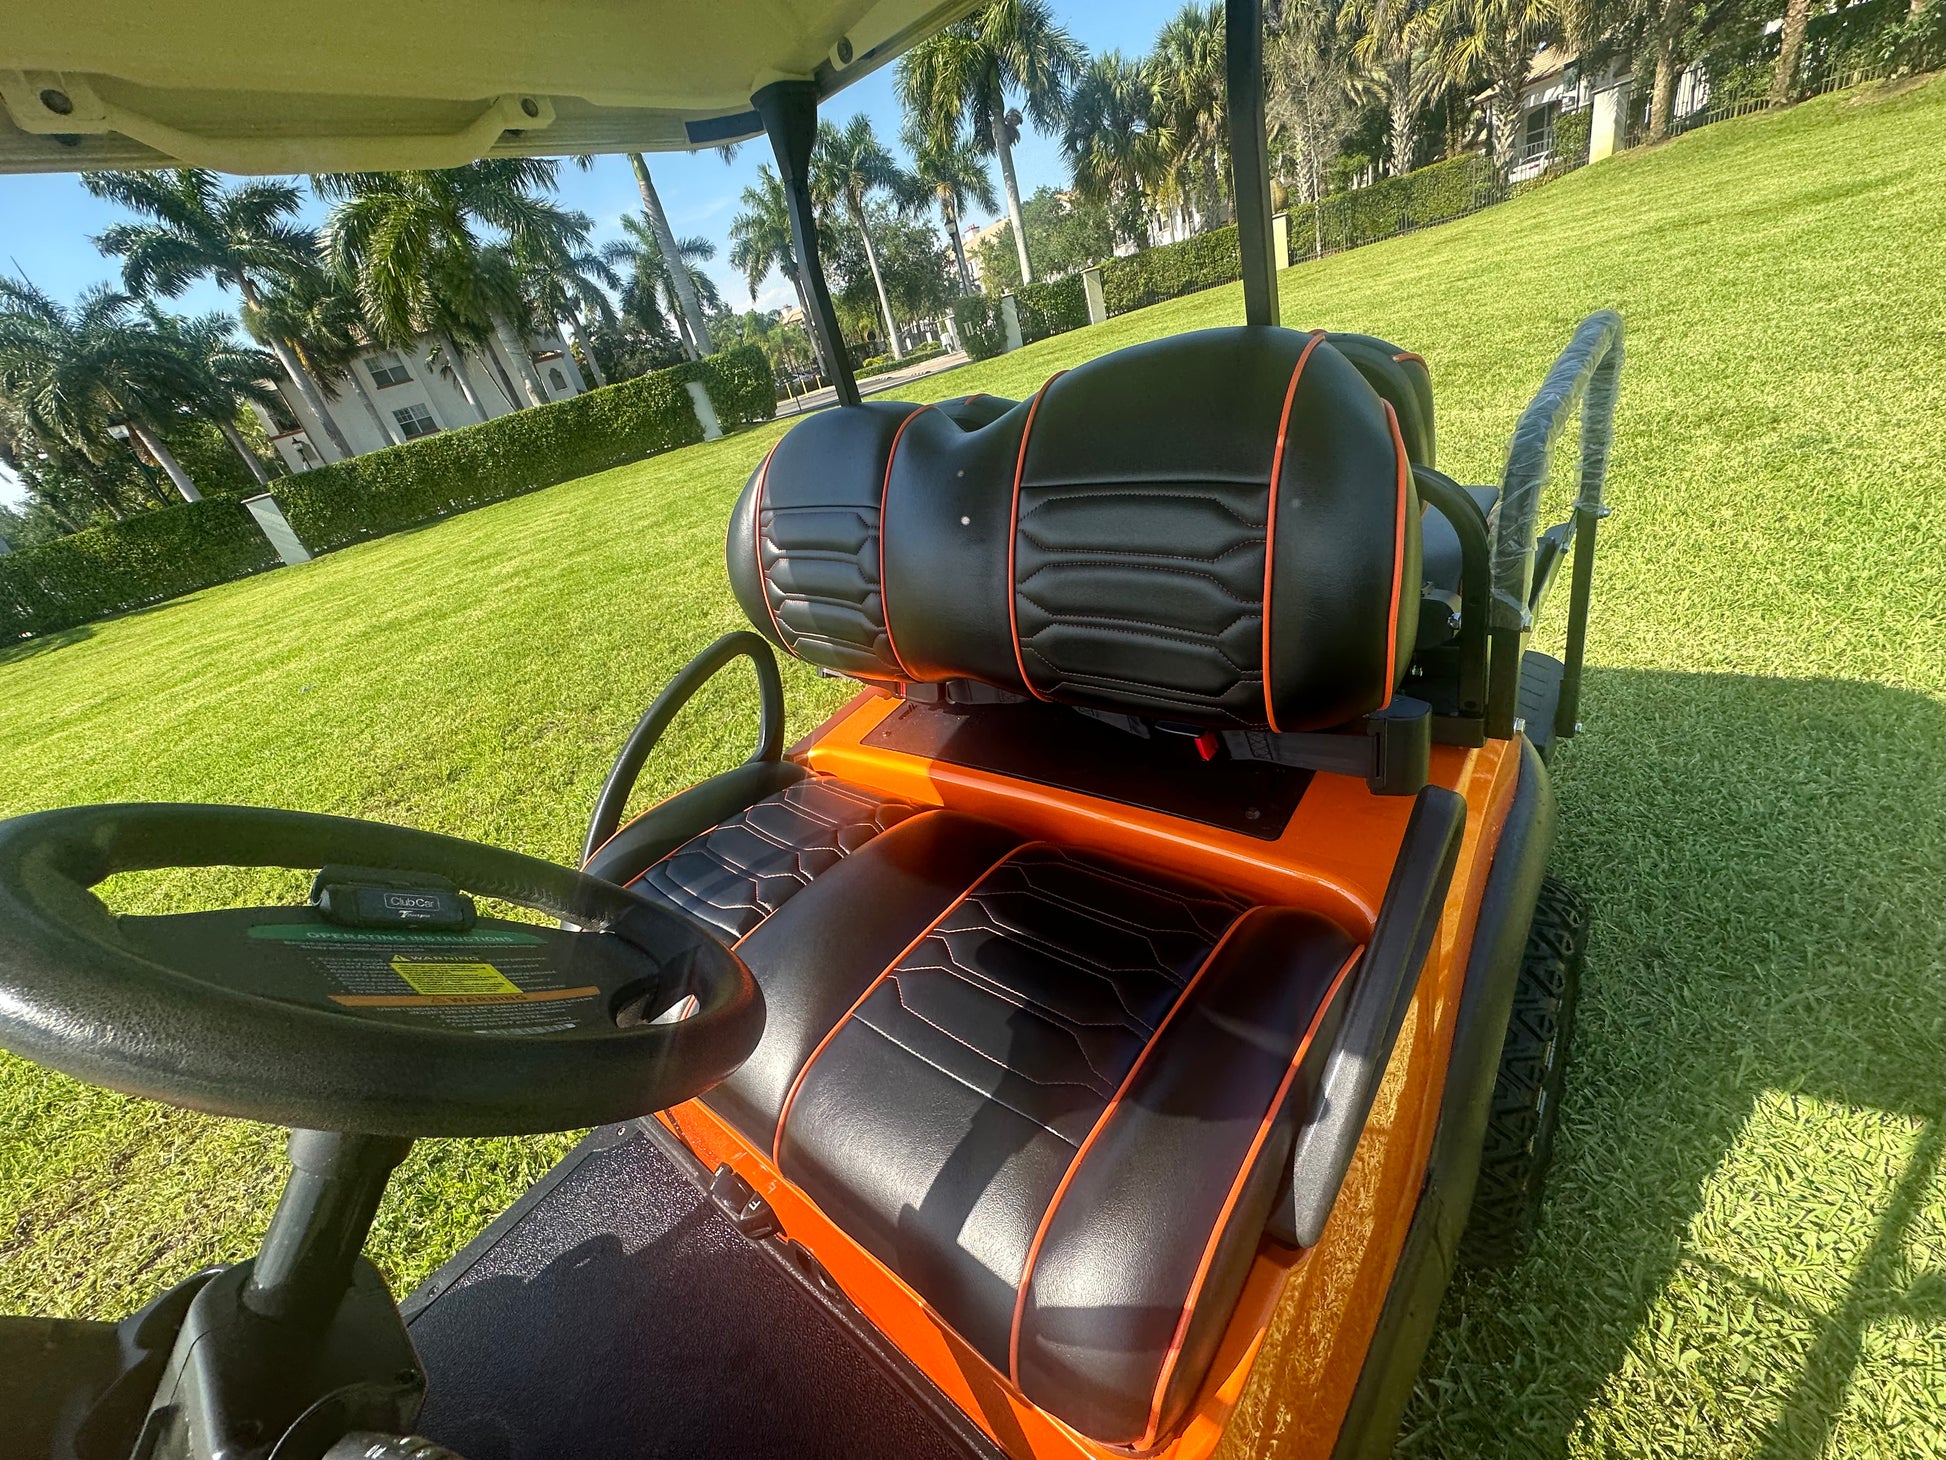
(415, 421)
(1539, 141)
(556, 379)
(387, 369)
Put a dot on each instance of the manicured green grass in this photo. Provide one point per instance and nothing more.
(1744, 1251)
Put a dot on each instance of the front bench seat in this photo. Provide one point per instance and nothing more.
(1055, 1093)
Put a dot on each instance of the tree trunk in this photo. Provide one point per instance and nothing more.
(959, 244)
(461, 375)
(515, 348)
(575, 337)
(1401, 117)
(683, 336)
(235, 438)
(1790, 50)
(686, 297)
(165, 459)
(810, 324)
(307, 388)
(1003, 149)
(1662, 98)
(871, 258)
(387, 429)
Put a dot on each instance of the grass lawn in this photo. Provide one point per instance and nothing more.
(1744, 1251)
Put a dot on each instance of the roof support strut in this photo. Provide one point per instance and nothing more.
(1243, 37)
(790, 113)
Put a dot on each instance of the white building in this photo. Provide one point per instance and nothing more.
(1556, 86)
(414, 393)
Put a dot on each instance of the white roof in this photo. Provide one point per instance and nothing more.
(361, 84)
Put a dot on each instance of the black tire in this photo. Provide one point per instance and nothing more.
(1527, 1095)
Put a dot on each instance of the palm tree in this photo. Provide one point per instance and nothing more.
(760, 240)
(1186, 74)
(317, 310)
(847, 167)
(1313, 89)
(966, 71)
(1112, 143)
(75, 375)
(242, 236)
(949, 172)
(219, 374)
(410, 240)
(562, 283)
(1492, 41)
(651, 287)
(1391, 51)
(689, 305)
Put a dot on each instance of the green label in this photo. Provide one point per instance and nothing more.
(324, 933)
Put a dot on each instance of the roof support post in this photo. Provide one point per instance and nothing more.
(790, 114)
(1243, 37)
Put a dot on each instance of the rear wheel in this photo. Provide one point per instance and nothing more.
(1533, 1071)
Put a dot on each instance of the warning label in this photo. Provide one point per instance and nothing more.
(488, 980)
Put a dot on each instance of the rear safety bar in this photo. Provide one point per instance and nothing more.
(650, 728)
(1381, 991)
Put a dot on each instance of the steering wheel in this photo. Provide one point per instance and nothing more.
(387, 1006)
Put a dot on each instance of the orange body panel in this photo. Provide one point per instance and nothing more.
(1296, 1343)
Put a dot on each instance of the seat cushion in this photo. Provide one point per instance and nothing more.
(1054, 1093)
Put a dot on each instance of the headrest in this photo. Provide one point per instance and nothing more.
(1219, 529)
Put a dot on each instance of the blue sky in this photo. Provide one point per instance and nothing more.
(46, 220)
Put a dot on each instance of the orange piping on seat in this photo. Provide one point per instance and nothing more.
(790, 1096)
(1229, 1202)
(757, 544)
(1013, 533)
(1420, 360)
(1101, 1123)
(1270, 513)
(1398, 558)
(884, 495)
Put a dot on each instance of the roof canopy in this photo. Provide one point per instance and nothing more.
(361, 84)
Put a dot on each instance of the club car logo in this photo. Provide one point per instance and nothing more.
(412, 901)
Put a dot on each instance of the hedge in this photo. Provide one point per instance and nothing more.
(1052, 308)
(1435, 194)
(160, 555)
(125, 565)
(879, 364)
(436, 476)
(1156, 274)
(982, 332)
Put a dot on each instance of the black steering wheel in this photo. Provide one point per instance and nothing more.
(388, 1005)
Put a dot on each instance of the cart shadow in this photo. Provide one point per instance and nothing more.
(1765, 857)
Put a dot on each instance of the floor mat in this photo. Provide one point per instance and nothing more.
(615, 1311)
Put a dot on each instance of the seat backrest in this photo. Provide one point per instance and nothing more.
(1218, 529)
(1402, 379)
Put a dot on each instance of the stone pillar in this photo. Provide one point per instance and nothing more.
(705, 409)
(270, 518)
(1280, 239)
(1010, 317)
(1097, 300)
(1608, 121)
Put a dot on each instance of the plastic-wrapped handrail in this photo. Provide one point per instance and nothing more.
(1588, 375)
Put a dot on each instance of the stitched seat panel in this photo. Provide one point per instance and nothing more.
(737, 874)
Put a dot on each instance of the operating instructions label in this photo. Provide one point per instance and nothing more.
(487, 980)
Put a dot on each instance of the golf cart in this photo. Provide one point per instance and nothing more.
(1100, 1037)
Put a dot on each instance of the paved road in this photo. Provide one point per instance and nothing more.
(817, 400)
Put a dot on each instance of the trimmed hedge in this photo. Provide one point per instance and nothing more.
(879, 364)
(163, 554)
(436, 476)
(125, 565)
(1172, 269)
(1435, 194)
(982, 333)
(1051, 308)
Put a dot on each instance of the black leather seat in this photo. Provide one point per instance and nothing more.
(1054, 1092)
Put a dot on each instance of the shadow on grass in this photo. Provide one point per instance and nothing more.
(21, 650)
(1766, 858)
